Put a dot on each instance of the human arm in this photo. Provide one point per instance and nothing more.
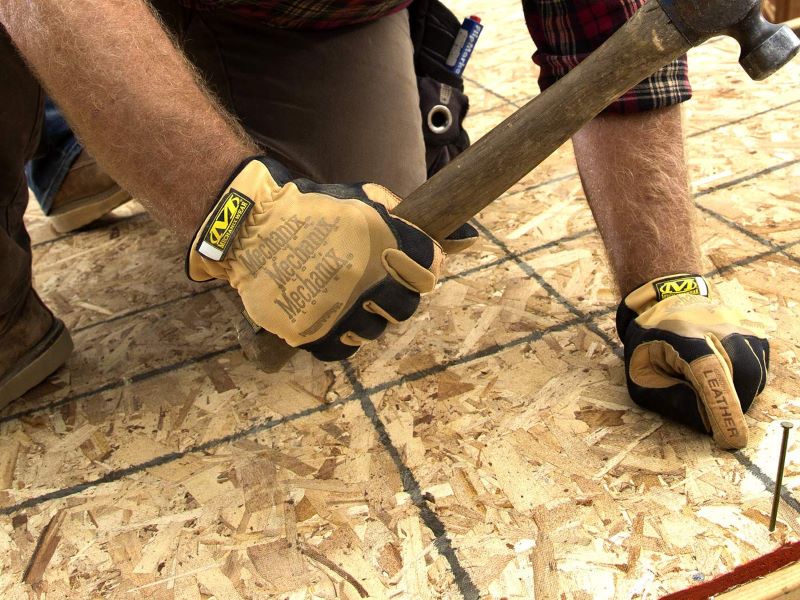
(635, 178)
(143, 112)
(686, 356)
(134, 99)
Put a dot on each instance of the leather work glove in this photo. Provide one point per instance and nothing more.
(325, 267)
(461, 239)
(690, 358)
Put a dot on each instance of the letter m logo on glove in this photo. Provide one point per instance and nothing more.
(221, 229)
(676, 286)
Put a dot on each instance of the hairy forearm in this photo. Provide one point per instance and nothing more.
(133, 99)
(634, 174)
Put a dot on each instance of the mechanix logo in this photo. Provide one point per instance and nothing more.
(695, 286)
(307, 288)
(298, 258)
(222, 228)
(279, 240)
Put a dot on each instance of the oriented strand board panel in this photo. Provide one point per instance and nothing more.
(485, 449)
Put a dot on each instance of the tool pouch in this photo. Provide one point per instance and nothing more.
(441, 92)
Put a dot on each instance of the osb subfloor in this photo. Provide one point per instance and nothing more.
(487, 448)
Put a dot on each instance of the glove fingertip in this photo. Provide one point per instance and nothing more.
(392, 301)
(456, 246)
(720, 399)
(334, 352)
(409, 273)
(461, 239)
(749, 372)
(378, 193)
(732, 444)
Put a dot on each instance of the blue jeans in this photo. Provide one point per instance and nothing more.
(58, 149)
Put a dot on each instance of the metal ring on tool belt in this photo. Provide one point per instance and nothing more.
(440, 119)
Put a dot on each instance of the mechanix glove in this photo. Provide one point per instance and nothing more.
(690, 358)
(325, 267)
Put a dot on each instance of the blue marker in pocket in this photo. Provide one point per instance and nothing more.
(464, 45)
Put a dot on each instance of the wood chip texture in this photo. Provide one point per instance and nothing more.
(487, 448)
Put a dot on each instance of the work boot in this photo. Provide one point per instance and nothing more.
(86, 194)
(33, 344)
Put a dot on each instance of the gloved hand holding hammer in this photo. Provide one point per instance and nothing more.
(327, 266)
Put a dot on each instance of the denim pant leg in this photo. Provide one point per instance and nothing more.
(58, 149)
(21, 102)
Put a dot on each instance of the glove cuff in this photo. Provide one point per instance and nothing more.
(648, 295)
(245, 188)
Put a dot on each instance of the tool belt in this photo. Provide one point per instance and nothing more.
(441, 92)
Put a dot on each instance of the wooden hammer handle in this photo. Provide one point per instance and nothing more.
(511, 150)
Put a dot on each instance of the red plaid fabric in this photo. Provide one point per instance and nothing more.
(567, 31)
(305, 14)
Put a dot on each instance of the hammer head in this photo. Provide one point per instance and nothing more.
(766, 47)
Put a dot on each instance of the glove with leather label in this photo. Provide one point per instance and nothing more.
(692, 359)
(325, 267)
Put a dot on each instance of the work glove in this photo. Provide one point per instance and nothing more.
(690, 358)
(325, 267)
(461, 239)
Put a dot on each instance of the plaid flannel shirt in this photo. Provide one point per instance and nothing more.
(567, 31)
(564, 31)
(305, 14)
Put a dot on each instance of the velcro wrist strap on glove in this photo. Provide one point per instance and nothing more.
(690, 358)
(322, 266)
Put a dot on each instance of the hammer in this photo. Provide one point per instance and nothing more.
(658, 33)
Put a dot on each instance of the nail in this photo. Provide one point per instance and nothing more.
(776, 498)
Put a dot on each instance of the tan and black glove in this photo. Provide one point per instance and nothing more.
(691, 358)
(325, 267)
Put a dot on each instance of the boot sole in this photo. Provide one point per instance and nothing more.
(37, 364)
(84, 211)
